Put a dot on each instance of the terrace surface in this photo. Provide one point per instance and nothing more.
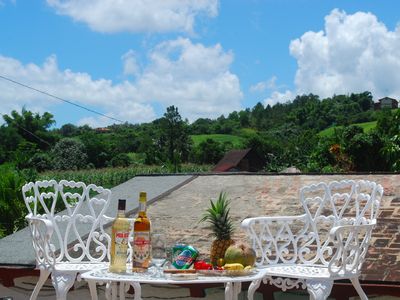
(178, 213)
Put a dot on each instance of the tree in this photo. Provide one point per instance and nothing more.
(201, 126)
(174, 141)
(97, 149)
(209, 152)
(244, 117)
(364, 150)
(32, 127)
(68, 130)
(391, 149)
(257, 115)
(69, 154)
(10, 139)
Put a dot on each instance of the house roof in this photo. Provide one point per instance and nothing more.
(230, 160)
(387, 98)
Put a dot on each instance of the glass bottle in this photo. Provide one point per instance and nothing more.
(119, 240)
(141, 252)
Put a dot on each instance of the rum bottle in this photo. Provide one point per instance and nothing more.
(141, 252)
(119, 240)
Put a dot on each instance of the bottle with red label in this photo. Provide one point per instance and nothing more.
(119, 240)
(141, 248)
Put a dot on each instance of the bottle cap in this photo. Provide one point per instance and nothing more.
(142, 196)
(121, 204)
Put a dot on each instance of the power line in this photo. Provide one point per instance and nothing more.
(59, 98)
(31, 133)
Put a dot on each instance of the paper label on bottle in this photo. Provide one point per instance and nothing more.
(121, 243)
(141, 246)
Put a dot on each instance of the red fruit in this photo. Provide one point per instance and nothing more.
(199, 265)
(202, 265)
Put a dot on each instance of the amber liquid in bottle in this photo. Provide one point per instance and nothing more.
(119, 240)
(141, 252)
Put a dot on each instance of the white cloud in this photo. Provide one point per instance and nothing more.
(136, 15)
(101, 95)
(190, 76)
(130, 64)
(276, 97)
(264, 85)
(354, 53)
(193, 77)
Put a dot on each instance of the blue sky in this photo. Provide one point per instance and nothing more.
(207, 57)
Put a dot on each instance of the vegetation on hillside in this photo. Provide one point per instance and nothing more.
(298, 133)
(338, 134)
(366, 126)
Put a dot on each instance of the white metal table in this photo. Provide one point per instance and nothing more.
(233, 284)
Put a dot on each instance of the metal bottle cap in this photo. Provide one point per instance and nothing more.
(121, 204)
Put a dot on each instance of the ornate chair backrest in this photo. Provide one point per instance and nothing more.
(79, 233)
(346, 202)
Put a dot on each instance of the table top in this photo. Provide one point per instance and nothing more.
(103, 275)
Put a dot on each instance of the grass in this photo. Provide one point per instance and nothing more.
(367, 127)
(236, 141)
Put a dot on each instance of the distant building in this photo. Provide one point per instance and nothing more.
(246, 160)
(102, 129)
(386, 102)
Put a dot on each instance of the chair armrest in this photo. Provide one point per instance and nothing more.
(41, 232)
(246, 223)
(275, 239)
(351, 244)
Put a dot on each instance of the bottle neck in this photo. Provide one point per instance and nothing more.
(121, 213)
(142, 209)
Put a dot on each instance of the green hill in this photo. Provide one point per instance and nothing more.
(236, 141)
(367, 126)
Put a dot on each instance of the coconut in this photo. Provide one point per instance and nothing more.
(240, 253)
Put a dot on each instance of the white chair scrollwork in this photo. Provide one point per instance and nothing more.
(329, 242)
(72, 241)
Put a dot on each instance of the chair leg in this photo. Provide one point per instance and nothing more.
(114, 291)
(358, 288)
(229, 290)
(62, 282)
(138, 290)
(93, 289)
(44, 274)
(108, 291)
(319, 289)
(254, 285)
(121, 291)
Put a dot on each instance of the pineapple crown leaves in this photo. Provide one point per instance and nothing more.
(218, 217)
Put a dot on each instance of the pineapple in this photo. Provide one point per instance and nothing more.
(221, 224)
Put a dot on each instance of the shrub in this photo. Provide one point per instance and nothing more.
(69, 154)
(12, 206)
(121, 160)
(40, 161)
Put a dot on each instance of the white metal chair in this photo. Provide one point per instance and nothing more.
(329, 242)
(69, 242)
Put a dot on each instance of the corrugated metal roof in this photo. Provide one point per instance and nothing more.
(231, 160)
